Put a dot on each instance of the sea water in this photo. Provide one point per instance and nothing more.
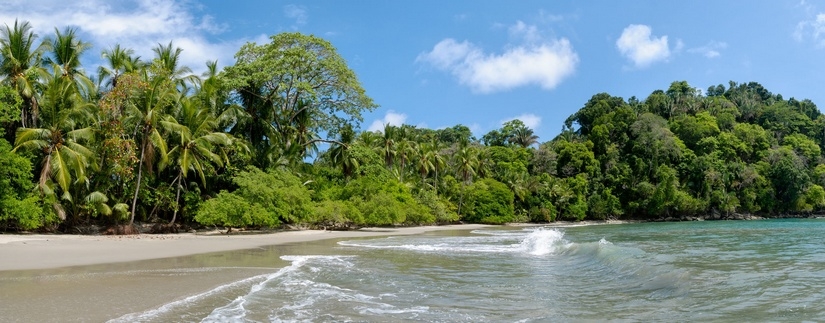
(734, 271)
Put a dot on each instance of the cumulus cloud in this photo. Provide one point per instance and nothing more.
(530, 120)
(536, 61)
(392, 118)
(137, 24)
(711, 50)
(640, 47)
(813, 30)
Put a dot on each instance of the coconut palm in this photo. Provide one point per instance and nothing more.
(405, 150)
(424, 160)
(340, 154)
(524, 137)
(167, 62)
(62, 137)
(20, 67)
(465, 161)
(66, 49)
(195, 143)
(119, 61)
(145, 116)
(386, 145)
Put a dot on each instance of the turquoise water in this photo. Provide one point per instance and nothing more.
(726, 271)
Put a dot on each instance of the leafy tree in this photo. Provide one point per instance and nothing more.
(18, 207)
(489, 201)
(291, 75)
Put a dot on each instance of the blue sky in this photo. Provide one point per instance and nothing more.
(478, 63)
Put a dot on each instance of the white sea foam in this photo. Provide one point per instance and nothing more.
(533, 241)
(542, 242)
(235, 310)
(154, 313)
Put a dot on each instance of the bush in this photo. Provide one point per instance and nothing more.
(489, 201)
(231, 210)
(336, 213)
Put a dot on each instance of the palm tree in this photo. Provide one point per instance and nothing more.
(195, 139)
(167, 62)
(20, 67)
(424, 160)
(465, 161)
(524, 137)
(405, 149)
(340, 154)
(438, 160)
(386, 145)
(119, 61)
(66, 49)
(145, 115)
(61, 138)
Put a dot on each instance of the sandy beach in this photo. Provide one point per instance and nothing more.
(36, 251)
(67, 278)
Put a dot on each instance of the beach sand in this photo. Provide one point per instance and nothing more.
(69, 278)
(20, 252)
(75, 278)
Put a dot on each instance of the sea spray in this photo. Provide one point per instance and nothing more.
(542, 242)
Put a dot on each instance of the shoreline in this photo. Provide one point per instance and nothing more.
(49, 251)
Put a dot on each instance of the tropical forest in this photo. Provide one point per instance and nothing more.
(274, 141)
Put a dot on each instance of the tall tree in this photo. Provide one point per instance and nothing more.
(119, 61)
(20, 67)
(464, 163)
(66, 49)
(61, 138)
(196, 143)
(145, 115)
(277, 81)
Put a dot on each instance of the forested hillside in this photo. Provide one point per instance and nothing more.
(273, 140)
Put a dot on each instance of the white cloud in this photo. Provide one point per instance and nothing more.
(529, 33)
(813, 30)
(640, 47)
(711, 50)
(138, 24)
(392, 118)
(537, 61)
(297, 13)
(530, 120)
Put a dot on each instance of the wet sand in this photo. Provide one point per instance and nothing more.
(66, 278)
(20, 252)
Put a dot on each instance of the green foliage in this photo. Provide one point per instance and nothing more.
(291, 89)
(231, 210)
(171, 143)
(489, 201)
(19, 208)
(336, 213)
(436, 209)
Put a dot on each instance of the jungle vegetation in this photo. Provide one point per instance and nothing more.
(272, 140)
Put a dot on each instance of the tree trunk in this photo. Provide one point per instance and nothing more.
(177, 200)
(137, 187)
(461, 200)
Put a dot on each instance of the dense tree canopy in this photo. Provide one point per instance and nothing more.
(145, 140)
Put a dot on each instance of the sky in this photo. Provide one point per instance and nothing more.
(437, 64)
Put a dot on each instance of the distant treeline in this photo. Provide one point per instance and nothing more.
(143, 139)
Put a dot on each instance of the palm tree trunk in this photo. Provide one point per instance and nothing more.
(137, 187)
(177, 200)
(461, 200)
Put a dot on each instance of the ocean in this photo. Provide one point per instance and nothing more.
(711, 271)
